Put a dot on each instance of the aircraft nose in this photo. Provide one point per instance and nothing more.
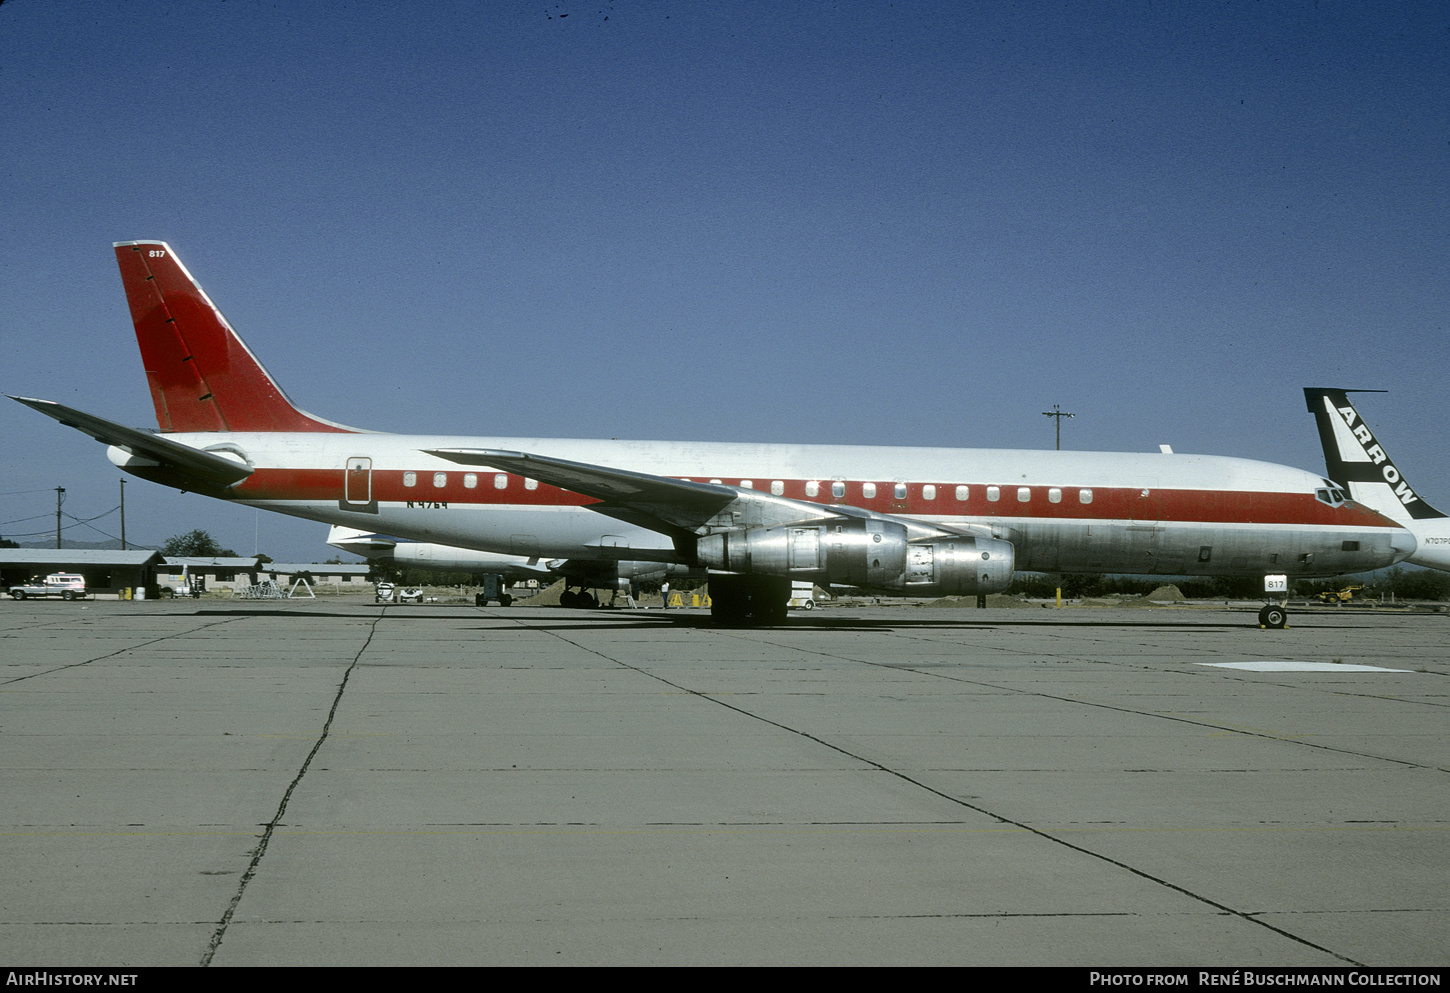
(1404, 544)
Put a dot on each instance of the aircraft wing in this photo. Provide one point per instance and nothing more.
(597, 481)
(205, 467)
(676, 507)
(680, 508)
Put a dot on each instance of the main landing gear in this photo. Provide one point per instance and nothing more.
(748, 601)
(581, 599)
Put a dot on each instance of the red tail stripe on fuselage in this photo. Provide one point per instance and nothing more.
(202, 377)
(1108, 503)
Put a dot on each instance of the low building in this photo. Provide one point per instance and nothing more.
(340, 574)
(221, 572)
(107, 571)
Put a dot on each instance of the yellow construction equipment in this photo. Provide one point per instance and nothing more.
(1339, 596)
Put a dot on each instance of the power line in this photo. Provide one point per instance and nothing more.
(74, 519)
(22, 520)
(1059, 414)
(107, 513)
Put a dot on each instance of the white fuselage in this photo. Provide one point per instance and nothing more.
(1063, 511)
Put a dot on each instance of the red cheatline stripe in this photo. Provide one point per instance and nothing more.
(1108, 503)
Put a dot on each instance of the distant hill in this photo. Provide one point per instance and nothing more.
(109, 545)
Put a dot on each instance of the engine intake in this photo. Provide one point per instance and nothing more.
(871, 554)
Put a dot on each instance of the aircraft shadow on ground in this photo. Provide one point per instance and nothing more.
(575, 619)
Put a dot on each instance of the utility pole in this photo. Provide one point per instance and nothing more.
(1058, 413)
(123, 515)
(59, 492)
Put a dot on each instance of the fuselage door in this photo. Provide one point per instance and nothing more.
(1142, 540)
(1145, 501)
(357, 484)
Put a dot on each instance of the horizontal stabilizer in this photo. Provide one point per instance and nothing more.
(360, 542)
(205, 467)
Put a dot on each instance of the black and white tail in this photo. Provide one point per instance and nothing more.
(1356, 460)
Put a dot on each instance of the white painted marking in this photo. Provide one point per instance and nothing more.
(1288, 665)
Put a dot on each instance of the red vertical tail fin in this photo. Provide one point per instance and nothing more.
(202, 376)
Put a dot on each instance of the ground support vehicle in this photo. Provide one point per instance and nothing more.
(1338, 596)
(67, 586)
(494, 588)
(802, 595)
(391, 593)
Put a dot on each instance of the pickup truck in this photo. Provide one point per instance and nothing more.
(64, 585)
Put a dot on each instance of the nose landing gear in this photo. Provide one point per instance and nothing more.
(1275, 616)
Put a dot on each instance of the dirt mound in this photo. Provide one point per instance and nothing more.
(547, 597)
(1158, 598)
(993, 600)
(1005, 600)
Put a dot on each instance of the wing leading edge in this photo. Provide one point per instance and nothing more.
(681, 508)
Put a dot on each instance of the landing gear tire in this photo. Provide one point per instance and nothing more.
(1273, 616)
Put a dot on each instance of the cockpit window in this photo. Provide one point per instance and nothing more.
(1331, 495)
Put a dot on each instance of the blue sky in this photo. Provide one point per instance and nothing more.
(884, 223)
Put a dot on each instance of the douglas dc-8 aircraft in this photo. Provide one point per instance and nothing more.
(1358, 462)
(906, 521)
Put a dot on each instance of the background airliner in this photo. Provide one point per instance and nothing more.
(398, 552)
(1355, 459)
(914, 521)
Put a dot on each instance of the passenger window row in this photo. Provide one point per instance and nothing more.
(899, 491)
(813, 488)
(470, 480)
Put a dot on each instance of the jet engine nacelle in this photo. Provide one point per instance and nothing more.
(871, 554)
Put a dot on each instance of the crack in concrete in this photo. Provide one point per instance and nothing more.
(261, 850)
(1046, 836)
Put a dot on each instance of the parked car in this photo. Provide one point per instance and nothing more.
(67, 586)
